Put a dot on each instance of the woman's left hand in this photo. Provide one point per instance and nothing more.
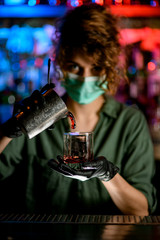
(100, 167)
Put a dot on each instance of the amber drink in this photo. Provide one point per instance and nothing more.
(78, 147)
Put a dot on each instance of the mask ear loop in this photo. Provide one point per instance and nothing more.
(59, 75)
(104, 84)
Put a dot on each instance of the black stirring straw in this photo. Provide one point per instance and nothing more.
(49, 65)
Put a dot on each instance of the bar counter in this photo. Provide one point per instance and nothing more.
(79, 227)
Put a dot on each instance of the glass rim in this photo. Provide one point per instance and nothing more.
(77, 133)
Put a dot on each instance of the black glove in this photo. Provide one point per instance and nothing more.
(100, 167)
(47, 87)
(11, 127)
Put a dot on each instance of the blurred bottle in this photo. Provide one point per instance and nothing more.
(154, 124)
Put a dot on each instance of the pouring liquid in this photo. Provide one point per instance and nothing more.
(73, 122)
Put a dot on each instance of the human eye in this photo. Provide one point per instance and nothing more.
(97, 70)
(73, 68)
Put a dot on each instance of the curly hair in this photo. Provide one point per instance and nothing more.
(92, 30)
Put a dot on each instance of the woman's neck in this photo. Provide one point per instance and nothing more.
(86, 115)
(91, 108)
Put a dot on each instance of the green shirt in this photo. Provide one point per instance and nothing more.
(29, 185)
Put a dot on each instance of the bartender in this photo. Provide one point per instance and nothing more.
(119, 179)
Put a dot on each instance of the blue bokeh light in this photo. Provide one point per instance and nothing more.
(131, 70)
(153, 3)
(32, 3)
(14, 2)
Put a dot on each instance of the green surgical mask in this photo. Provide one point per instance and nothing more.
(84, 90)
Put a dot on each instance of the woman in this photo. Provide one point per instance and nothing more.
(119, 180)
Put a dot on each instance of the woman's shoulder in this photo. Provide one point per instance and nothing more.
(118, 109)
